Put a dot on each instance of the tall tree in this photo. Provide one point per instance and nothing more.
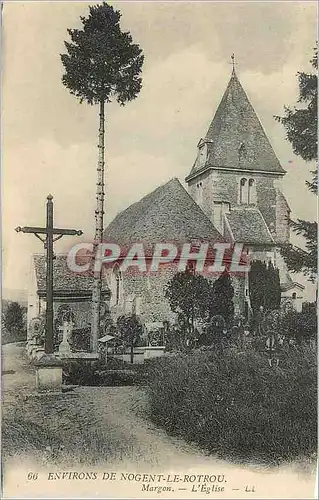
(301, 124)
(264, 286)
(101, 64)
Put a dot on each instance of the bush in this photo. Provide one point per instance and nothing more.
(13, 322)
(235, 405)
(300, 326)
(80, 372)
(97, 373)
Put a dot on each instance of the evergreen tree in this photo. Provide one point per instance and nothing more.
(222, 300)
(101, 64)
(301, 125)
(273, 291)
(264, 286)
(256, 279)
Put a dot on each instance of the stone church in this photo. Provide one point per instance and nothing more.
(234, 195)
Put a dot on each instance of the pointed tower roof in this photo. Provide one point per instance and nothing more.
(235, 138)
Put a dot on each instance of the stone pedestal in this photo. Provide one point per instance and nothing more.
(38, 353)
(31, 345)
(48, 374)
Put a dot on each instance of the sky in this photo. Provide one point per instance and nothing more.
(49, 139)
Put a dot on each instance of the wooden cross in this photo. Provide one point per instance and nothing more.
(48, 241)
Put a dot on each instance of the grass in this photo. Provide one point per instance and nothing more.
(235, 405)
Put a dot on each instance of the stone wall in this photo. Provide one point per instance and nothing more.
(223, 185)
(282, 215)
(148, 293)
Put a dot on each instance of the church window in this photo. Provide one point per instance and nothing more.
(242, 152)
(218, 216)
(243, 192)
(294, 295)
(251, 192)
(199, 193)
(117, 285)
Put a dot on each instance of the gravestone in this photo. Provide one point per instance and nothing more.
(66, 329)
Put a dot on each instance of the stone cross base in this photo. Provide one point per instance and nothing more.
(64, 347)
(37, 353)
(48, 375)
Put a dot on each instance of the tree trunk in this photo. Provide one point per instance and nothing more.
(99, 213)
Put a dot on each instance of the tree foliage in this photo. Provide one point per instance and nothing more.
(264, 286)
(14, 325)
(189, 295)
(197, 300)
(101, 62)
(130, 330)
(301, 126)
(301, 123)
(13, 319)
(299, 259)
(223, 294)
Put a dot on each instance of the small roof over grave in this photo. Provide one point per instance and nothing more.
(65, 281)
(154, 325)
(106, 338)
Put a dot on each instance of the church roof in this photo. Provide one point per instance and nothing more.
(168, 214)
(235, 138)
(248, 226)
(65, 281)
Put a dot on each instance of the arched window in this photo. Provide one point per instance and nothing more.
(251, 192)
(243, 191)
(117, 285)
(199, 193)
(294, 295)
(242, 152)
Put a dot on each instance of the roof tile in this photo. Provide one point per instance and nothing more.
(168, 214)
(248, 226)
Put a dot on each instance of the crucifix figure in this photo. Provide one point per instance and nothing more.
(52, 234)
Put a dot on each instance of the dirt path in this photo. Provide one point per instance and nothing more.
(18, 376)
(97, 424)
(123, 409)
